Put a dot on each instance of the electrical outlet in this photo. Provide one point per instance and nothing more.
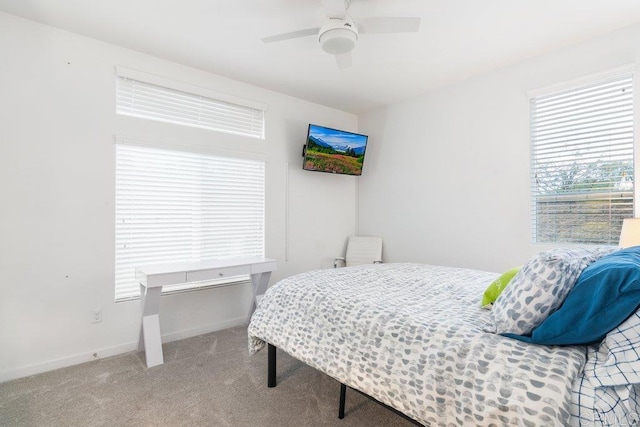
(96, 315)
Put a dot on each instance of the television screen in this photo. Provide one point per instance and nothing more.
(335, 151)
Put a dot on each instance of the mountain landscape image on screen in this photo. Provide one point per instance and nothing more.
(331, 150)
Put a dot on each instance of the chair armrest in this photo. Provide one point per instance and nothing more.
(335, 262)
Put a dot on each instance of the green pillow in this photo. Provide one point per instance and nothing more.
(497, 286)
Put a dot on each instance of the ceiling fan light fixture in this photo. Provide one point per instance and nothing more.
(337, 41)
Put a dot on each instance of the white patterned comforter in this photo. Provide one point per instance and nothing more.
(412, 336)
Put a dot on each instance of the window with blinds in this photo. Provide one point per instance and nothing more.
(174, 206)
(582, 176)
(164, 103)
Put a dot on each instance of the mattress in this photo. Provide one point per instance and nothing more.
(414, 337)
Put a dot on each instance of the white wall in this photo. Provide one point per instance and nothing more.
(446, 179)
(57, 172)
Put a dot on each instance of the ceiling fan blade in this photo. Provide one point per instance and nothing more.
(334, 8)
(388, 25)
(291, 35)
(344, 60)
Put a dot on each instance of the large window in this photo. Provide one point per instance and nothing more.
(582, 173)
(176, 206)
(179, 201)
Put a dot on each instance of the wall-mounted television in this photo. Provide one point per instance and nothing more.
(334, 151)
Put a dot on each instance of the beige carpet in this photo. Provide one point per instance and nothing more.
(209, 380)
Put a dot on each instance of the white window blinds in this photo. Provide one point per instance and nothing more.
(582, 161)
(165, 103)
(174, 206)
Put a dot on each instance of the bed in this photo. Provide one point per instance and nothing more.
(415, 338)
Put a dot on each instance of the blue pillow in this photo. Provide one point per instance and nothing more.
(605, 294)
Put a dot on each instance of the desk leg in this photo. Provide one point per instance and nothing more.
(259, 281)
(150, 340)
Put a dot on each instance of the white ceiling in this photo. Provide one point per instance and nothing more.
(457, 39)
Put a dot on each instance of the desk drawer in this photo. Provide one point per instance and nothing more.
(217, 273)
(162, 279)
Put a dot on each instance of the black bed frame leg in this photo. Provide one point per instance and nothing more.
(343, 396)
(271, 369)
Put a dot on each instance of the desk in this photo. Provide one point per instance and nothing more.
(152, 278)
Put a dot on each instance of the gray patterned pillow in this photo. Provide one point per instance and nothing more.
(540, 288)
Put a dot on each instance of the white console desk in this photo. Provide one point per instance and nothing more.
(153, 277)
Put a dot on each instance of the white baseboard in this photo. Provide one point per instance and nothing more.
(113, 351)
(180, 335)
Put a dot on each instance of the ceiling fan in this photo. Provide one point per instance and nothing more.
(339, 32)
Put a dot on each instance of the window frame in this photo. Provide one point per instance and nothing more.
(204, 142)
(580, 198)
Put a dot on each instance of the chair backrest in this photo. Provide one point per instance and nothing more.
(363, 250)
